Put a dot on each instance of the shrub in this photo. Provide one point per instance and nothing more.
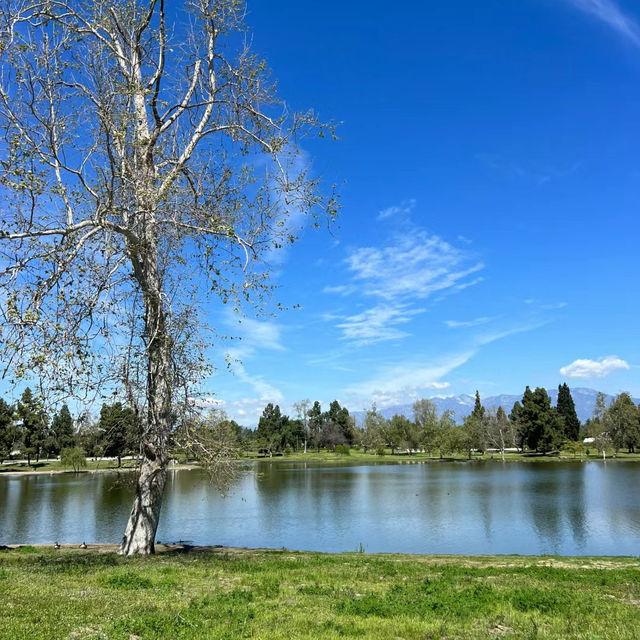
(343, 450)
(380, 451)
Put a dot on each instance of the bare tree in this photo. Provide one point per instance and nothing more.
(144, 162)
(302, 412)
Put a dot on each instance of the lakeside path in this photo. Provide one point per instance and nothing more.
(203, 592)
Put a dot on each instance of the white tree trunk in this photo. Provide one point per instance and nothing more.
(140, 534)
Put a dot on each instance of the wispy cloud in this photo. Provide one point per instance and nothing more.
(611, 14)
(404, 208)
(415, 266)
(407, 380)
(340, 290)
(541, 174)
(255, 334)
(585, 368)
(377, 324)
(454, 324)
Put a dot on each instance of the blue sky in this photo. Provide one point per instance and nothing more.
(489, 167)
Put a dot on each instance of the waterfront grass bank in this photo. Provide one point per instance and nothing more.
(184, 593)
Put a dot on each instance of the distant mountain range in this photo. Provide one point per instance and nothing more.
(462, 405)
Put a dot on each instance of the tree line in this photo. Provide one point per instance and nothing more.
(532, 425)
(29, 430)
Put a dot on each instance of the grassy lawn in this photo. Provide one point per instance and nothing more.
(56, 466)
(83, 595)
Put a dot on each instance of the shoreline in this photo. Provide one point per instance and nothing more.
(342, 460)
(497, 559)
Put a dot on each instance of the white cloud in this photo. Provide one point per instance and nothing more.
(585, 368)
(404, 208)
(416, 266)
(611, 14)
(260, 335)
(454, 324)
(377, 324)
(341, 290)
(409, 379)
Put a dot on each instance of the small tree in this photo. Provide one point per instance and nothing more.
(73, 457)
(498, 430)
(302, 413)
(372, 434)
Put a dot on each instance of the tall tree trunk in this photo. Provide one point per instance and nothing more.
(140, 534)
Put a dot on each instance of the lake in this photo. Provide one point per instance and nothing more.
(587, 508)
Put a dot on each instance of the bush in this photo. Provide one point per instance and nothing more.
(74, 458)
(380, 451)
(343, 450)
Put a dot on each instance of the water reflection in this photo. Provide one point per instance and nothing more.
(566, 508)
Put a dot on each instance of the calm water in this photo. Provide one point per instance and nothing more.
(552, 508)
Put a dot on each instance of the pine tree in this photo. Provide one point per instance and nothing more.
(567, 411)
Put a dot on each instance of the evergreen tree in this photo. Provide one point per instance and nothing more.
(474, 435)
(272, 428)
(538, 424)
(339, 422)
(478, 410)
(33, 424)
(567, 411)
(8, 431)
(116, 422)
(62, 431)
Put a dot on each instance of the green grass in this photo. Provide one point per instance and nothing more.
(355, 457)
(56, 467)
(75, 595)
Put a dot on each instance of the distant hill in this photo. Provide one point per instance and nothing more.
(462, 405)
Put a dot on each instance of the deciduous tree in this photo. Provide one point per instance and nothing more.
(146, 162)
